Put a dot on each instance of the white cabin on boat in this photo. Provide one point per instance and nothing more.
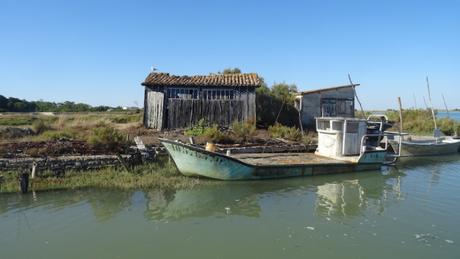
(340, 136)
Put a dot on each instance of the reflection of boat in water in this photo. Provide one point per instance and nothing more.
(335, 195)
(342, 147)
(352, 197)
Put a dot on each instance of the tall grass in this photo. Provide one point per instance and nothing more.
(420, 122)
(162, 175)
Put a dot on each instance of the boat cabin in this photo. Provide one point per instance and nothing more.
(340, 136)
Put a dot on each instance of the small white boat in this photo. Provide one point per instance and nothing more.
(426, 146)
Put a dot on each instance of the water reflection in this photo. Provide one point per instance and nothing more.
(105, 204)
(347, 195)
(338, 195)
(351, 197)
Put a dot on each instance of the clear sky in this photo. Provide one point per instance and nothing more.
(99, 52)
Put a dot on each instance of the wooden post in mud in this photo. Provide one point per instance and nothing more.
(34, 170)
(400, 116)
(400, 126)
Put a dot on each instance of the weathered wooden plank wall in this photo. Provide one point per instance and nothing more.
(184, 113)
(153, 112)
(170, 113)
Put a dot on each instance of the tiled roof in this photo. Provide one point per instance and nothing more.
(213, 80)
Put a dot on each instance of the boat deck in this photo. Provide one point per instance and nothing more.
(286, 159)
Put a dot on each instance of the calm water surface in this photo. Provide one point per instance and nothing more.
(411, 211)
(453, 115)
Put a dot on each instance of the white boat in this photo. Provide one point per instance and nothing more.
(420, 146)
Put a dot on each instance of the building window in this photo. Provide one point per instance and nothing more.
(182, 93)
(218, 94)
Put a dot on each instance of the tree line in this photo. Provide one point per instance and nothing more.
(13, 104)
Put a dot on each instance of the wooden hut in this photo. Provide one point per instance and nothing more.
(172, 102)
(338, 101)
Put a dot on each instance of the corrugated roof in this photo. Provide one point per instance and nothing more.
(213, 80)
(327, 89)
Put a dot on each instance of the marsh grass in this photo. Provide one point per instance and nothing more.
(161, 175)
(77, 126)
(420, 122)
(285, 132)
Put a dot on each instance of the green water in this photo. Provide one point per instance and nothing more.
(411, 211)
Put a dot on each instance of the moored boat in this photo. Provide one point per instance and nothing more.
(426, 147)
(342, 147)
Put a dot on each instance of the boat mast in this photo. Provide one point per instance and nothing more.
(431, 104)
(445, 105)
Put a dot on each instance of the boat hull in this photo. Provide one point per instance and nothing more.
(414, 149)
(193, 161)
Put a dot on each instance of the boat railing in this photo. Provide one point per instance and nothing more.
(382, 136)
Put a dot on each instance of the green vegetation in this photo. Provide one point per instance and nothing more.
(106, 137)
(276, 105)
(197, 130)
(215, 135)
(280, 131)
(240, 132)
(243, 131)
(16, 120)
(18, 105)
(40, 126)
(420, 122)
(105, 131)
(231, 71)
(161, 175)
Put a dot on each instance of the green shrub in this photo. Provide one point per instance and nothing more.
(215, 135)
(126, 118)
(419, 121)
(107, 137)
(280, 131)
(40, 126)
(197, 130)
(448, 126)
(62, 134)
(16, 120)
(244, 130)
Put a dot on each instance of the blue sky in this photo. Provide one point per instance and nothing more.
(99, 52)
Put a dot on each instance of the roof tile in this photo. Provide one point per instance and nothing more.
(164, 79)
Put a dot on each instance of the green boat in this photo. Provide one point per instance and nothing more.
(343, 147)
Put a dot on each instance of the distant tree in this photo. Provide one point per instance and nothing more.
(3, 103)
(276, 104)
(17, 105)
(284, 92)
(228, 71)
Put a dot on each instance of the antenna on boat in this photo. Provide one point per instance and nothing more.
(356, 95)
